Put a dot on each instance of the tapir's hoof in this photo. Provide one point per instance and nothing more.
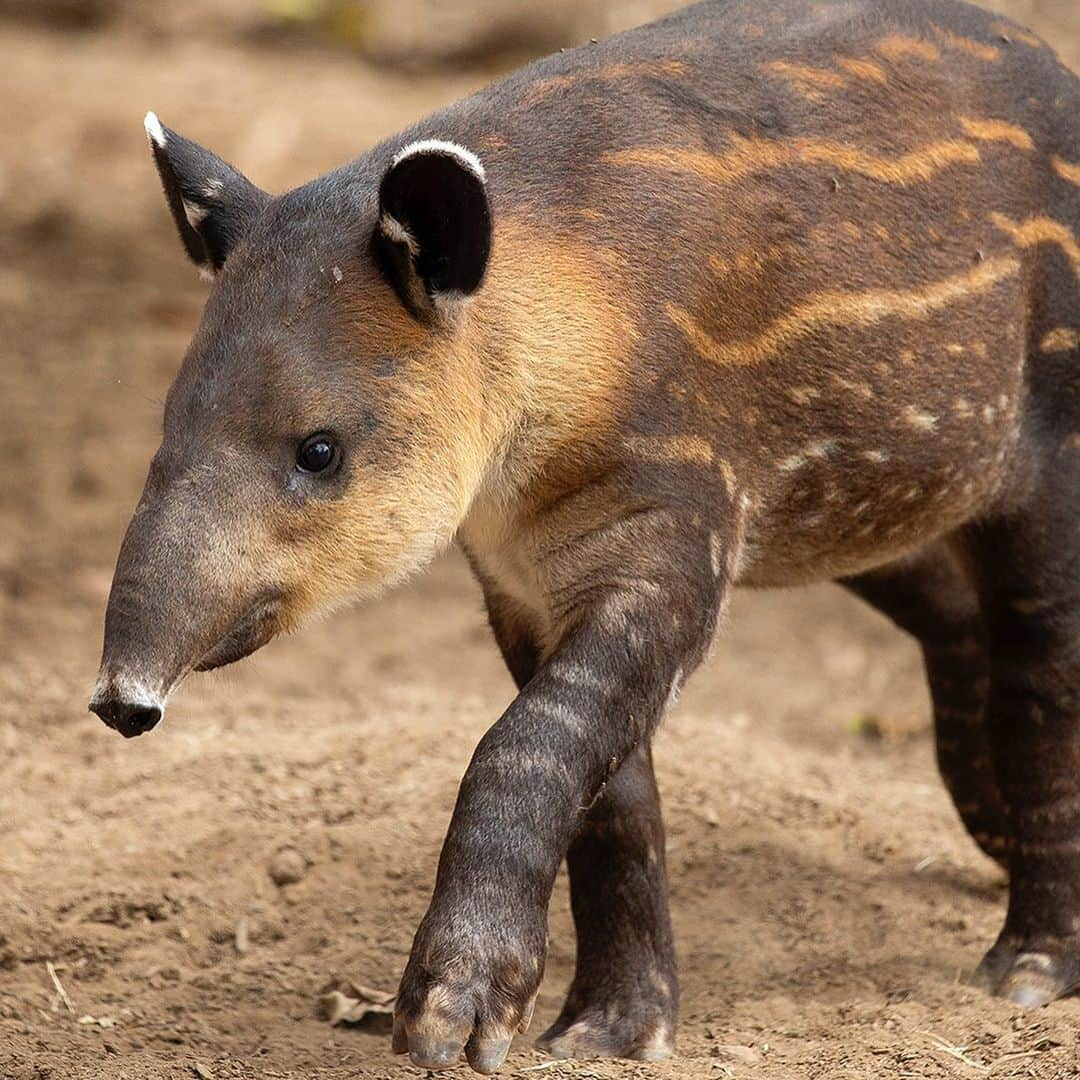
(1031, 971)
(636, 1031)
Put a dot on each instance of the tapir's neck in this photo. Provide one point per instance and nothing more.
(552, 332)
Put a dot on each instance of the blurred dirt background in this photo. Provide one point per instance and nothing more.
(828, 905)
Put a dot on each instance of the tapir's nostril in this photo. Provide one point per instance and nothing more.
(129, 718)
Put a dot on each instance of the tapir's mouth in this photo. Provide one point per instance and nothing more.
(250, 632)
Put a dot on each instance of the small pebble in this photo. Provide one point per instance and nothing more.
(287, 867)
(743, 1055)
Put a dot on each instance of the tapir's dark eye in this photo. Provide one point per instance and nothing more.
(316, 453)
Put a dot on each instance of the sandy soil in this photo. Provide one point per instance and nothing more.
(827, 903)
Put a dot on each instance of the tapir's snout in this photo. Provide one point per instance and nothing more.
(130, 718)
(181, 599)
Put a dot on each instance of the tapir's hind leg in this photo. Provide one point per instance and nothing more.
(929, 596)
(624, 999)
(1029, 569)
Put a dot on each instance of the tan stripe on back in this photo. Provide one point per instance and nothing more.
(1060, 339)
(837, 309)
(1041, 230)
(749, 156)
(897, 47)
(978, 49)
(1067, 170)
(997, 131)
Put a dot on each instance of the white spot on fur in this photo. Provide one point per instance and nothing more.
(466, 158)
(735, 557)
(676, 687)
(878, 457)
(919, 418)
(154, 131)
(862, 389)
(578, 674)
(194, 213)
(660, 984)
(963, 407)
(450, 304)
(1036, 960)
(730, 480)
(659, 1045)
(336, 273)
(393, 230)
(557, 711)
(716, 546)
(819, 450)
(213, 188)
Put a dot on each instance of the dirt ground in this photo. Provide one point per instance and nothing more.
(827, 903)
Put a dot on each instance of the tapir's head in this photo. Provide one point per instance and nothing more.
(330, 422)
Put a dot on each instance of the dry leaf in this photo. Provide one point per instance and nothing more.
(353, 1007)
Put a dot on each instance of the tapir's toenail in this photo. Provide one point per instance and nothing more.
(1029, 996)
(430, 1055)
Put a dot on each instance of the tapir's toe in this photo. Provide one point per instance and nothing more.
(608, 1033)
(1032, 972)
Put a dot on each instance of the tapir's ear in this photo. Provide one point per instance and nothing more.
(434, 228)
(212, 204)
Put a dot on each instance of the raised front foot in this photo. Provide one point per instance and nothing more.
(623, 1020)
(469, 985)
(1032, 970)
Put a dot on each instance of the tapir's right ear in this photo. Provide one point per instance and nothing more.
(212, 204)
(434, 230)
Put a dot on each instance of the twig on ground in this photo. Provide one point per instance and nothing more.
(59, 986)
(957, 1052)
(241, 935)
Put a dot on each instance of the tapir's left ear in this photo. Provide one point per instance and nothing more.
(434, 228)
(212, 204)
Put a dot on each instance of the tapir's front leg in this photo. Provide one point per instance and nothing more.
(638, 617)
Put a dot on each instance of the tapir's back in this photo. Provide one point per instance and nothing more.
(785, 97)
(859, 213)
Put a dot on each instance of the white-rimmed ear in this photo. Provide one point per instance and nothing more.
(212, 204)
(434, 228)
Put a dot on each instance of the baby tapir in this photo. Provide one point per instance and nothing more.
(758, 294)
